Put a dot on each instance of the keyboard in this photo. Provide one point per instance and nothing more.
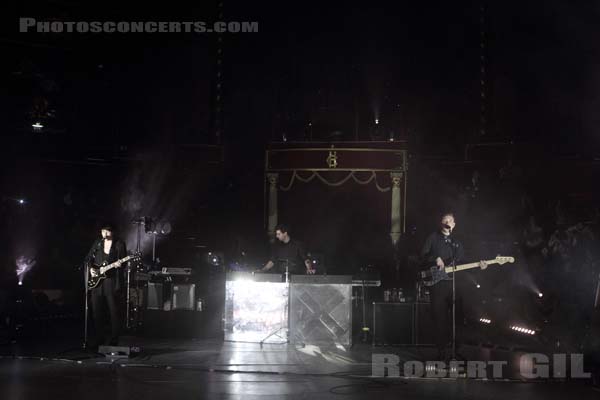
(172, 271)
(370, 283)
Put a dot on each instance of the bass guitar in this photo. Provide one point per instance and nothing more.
(434, 274)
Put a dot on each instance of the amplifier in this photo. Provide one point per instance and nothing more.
(155, 296)
(142, 277)
(183, 296)
(403, 324)
(424, 327)
(393, 324)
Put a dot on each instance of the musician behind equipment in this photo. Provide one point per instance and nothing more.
(288, 253)
(105, 251)
(441, 249)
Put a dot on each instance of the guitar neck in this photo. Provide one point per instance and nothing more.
(114, 265)
(463, 267)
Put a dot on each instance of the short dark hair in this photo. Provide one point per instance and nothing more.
(107, 226)
(447, 214)
(283, 228)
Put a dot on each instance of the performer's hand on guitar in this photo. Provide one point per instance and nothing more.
(94, 272)
(440, 263)
(483, 264)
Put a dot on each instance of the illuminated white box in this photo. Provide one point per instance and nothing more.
(256, 311)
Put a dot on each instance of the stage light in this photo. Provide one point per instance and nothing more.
(18, 200)
(37, 126)
(148, 224)
(485, 320)
(24, 264)
(520, 329)
(163, 227)
(540, 295)
(20, 283)
(478, 286)
(376, 121)
(214, 258)
(156, 227)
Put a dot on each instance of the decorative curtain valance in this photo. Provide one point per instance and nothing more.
(372, 176)
(359, 162)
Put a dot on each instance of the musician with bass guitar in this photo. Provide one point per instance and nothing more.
(441, 249)
(105, 287)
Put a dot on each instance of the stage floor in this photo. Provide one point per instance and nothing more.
(213, 369)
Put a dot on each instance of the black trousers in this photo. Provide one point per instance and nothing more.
(441, 312)
(104, 295)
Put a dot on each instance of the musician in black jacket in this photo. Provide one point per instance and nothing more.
(288, 252)
(441, 249)
(105, 251)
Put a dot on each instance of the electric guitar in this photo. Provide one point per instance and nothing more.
(98, 272)
(433, 275)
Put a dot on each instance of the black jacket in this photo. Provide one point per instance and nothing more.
(440, 245)
(118, 250)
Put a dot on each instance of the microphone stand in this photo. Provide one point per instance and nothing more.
(454, 247)
(128, 312)
(285, 317)
(453, 300)
(365, 328)
(128, 298)
(86, 271)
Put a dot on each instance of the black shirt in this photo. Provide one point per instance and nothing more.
(291, 253)
(440, 245)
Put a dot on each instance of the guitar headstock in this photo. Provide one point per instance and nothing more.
(503, 260)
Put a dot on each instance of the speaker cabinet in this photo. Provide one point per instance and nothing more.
(424, 327)
(155, 296)
(183, 296)
(393, 324)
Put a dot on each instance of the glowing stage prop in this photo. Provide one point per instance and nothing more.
(255, 307)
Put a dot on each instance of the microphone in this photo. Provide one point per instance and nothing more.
(449, 238)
